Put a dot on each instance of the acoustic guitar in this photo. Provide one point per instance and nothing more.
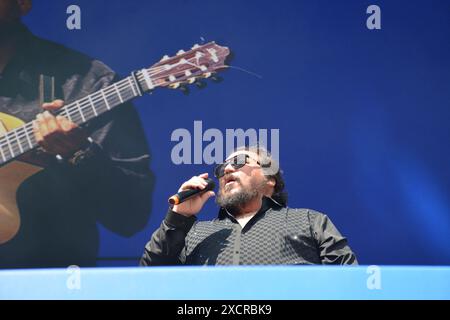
(17, 138)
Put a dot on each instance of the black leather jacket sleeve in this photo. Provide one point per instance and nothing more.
(333, 247)
(167, 245)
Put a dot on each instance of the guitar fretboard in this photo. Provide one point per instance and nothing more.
(20, 140)
(172, 72)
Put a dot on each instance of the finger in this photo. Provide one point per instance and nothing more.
(38, 136)
(200, 180)
(42, 125)
(65, 124)
(191, 185)
(37, 132)
(51, 123)
(50, 143)
(70, 142)
(194, 183)
(54, 105)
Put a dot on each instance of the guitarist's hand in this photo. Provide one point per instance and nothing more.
(57, 135)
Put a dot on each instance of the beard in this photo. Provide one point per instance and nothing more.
(234, 202)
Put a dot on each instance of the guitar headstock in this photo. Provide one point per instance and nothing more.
(185, 68)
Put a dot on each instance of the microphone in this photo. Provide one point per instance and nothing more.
(187, 194)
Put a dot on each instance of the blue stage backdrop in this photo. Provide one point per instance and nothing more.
(363, 115)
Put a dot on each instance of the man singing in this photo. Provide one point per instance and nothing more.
(254, 225)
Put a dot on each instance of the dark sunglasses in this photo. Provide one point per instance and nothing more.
(237, 162)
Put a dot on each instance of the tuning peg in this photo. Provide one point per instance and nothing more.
(200, 84)
(184, 89)
(175, 85)
(207, 75)
(180, 52)
(195, 46)
(166, 57)
(191, 80)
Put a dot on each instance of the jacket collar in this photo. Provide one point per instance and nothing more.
(267, 203)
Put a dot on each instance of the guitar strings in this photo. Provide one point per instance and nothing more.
(85, 103)
(72, 110)
(75, 109)
(14, 139)
(69, 109)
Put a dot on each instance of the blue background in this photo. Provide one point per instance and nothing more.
(363, 114)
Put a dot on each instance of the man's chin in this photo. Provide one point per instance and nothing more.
(231, 188)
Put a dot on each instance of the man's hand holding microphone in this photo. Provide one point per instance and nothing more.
(192, 195)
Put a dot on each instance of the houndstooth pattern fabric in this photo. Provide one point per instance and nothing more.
(277, 237)
(274, 236)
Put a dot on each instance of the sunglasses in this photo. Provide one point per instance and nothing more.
(237, 162)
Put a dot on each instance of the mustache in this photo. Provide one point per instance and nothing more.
(223, 187)
(226, 177)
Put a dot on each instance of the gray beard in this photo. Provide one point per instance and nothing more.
(233, 203)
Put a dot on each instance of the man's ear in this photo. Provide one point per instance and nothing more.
(271, 182)
(25, 6)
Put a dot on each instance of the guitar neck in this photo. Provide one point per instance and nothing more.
(171, 72)
(104, 100)
(21, 140)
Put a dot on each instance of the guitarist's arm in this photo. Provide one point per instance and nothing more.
(112, 171)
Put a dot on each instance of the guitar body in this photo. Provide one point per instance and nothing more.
(11, 177)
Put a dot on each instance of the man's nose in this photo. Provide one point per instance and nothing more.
(229, 168)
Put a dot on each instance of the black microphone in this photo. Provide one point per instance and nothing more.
(186, 194)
